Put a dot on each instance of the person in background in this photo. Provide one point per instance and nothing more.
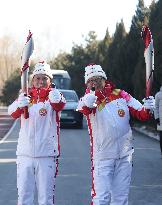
(158, 114)
(38, 143)
(108, 110)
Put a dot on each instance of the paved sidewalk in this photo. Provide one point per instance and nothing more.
(147, 131)
(6, 122)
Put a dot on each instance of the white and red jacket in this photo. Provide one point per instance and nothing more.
(108, 123)
(39, 134)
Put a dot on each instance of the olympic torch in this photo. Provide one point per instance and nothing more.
(149, 57)
(26, 53)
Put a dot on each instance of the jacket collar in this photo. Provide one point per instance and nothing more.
(39, 94)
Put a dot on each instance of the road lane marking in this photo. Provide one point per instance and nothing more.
(68, 175)
(7, 160)
(9, 132)
(6, 150)
(147, 148)
(147, 186)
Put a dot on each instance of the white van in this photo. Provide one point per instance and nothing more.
(62, 79)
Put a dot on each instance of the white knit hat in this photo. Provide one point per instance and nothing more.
(93, 70)
(42, 68)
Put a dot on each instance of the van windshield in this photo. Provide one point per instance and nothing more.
(61, 83)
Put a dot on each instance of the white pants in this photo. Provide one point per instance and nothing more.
(111, 181)
(39, 172)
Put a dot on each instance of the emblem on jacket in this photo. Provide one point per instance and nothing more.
(121, 112)
(43, 112)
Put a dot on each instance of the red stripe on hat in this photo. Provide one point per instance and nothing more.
(41, 62)
(91, 64)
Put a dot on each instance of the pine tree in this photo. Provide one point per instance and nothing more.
(102, 54)
(156, 28)
(133, 45)
(115, 55)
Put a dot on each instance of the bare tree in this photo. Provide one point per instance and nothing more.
(10, 53)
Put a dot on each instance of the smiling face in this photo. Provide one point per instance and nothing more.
(41, 81)
(97, 82)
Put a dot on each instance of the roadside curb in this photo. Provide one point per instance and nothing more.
(3, 107)
(145, 131)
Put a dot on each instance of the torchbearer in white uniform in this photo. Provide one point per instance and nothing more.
(38, 146)
(108, 110)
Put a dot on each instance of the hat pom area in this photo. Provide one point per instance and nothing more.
(93, 70)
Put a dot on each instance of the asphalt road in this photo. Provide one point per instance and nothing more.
(73, 183)
(146, 186)
(5, 121)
